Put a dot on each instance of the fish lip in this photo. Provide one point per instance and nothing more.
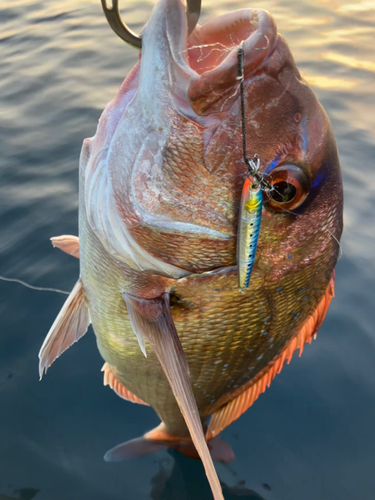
(215, 89)
(205, 63)
(259, 23)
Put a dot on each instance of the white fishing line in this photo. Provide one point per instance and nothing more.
(32, 287)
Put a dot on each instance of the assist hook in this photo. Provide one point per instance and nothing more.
(115, 21)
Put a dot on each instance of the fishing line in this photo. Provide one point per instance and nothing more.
(251, 203)
(217, 46)
(241, 57)
(254, 163)
(32, 287)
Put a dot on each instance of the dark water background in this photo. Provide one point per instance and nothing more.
(311, 436)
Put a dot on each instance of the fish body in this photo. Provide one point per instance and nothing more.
(248, 230)
(160, 190)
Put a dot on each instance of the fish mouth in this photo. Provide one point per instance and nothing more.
(205, 63)
(212, 53)
(209, 45)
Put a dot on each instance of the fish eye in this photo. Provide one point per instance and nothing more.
(290, 187)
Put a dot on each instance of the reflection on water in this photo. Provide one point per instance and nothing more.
(187, 480)
(23, 494)
(311, 435)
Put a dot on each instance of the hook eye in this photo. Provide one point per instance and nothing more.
(121, 29)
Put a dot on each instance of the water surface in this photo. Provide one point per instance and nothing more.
(311, 435)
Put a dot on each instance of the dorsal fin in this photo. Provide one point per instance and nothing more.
(111, 380)
(232, 410)
(67, 243)
(69, 326)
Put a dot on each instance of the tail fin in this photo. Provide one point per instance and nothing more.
(159, 439)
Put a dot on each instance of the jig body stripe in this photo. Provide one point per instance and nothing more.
(248, 231)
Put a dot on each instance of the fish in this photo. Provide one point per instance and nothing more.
(159, 198)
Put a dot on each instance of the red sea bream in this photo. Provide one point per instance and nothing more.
(160, 189)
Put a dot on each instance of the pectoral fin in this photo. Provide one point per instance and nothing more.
(69, 326)
(67, 243)
(152, 320)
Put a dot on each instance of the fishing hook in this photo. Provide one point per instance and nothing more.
(193, 9)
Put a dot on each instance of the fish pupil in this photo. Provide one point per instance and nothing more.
(283, 192)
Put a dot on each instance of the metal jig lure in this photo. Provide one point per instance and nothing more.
(251, 200)
(248, 229)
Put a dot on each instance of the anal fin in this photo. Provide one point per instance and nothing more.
(67, 243)
(111, 380)
(69, 326)
(152, 320)
(230, 411)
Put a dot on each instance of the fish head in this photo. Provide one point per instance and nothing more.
(170, 150)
